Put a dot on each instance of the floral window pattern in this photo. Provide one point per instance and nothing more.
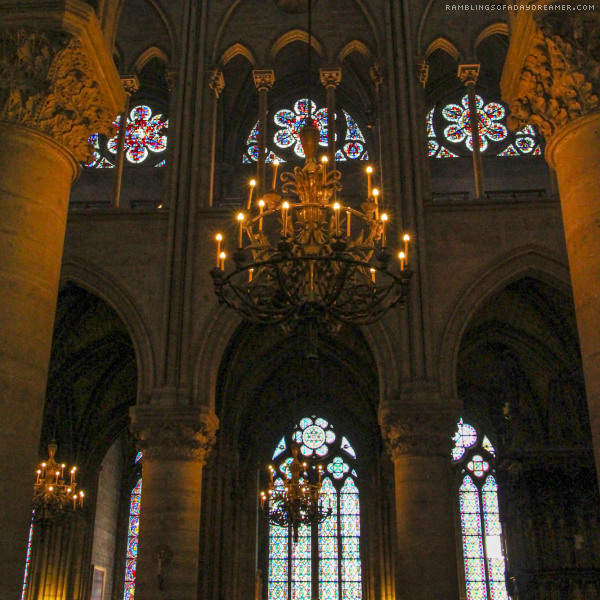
(339, 565)
(133, 531)
(145, 141)
(455, 122)
(483, 553)
(286, 139)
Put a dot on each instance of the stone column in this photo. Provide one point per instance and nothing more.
(263, 80)
(419, 440)
(59, 85)
(551, 80)
(331, 78)
(469, 74)
(175, 442)
(217, 85)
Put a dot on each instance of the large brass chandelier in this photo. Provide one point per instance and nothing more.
(297, 500)
(304, 255)
(54, 498)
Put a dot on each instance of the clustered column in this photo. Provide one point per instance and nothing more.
(331, 78)
(58, 88)
(263, 79)
(552, 81)
(217, 85)
(419, 440)
(175, 442)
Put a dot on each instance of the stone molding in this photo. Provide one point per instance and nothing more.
(414, 431)
(173, 433)
(552, 75)
(56, 75)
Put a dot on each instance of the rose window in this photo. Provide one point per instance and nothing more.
(314, 437)
(145, 139)
(286, 140)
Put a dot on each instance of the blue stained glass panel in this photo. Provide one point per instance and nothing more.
(278, 563)
(322, 423)
(348, 448)
(525, 144)
(433, 147)
(134, 526)
(465, 437)
(129, 590)
(132, 547)
(338, 468)
(301, 565)
(353, 149)
(328, 545)
(130, 570)
(280, 448)
(350, 523)
(510, 151)
(132, 540)
(429, 121)
(353, 131)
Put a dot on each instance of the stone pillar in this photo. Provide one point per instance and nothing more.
(551, 80)
(419, 440)
(59, 85)
(469, 74)
(217, 85)
(175, 442)
(331, 78)
(263, 80)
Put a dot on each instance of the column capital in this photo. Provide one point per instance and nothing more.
(216, 81)
(418, 431)
(468, 73)
(423, 67)
(58, 75)
(331, 76)
(131, 83)
(552, 75)
(376, 75)
(263, 78)
(174, 433)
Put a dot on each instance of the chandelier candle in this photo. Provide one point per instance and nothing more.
(222, 257)
(241, 233)
(336, 208)
(284, 213)
(261, 206)
(219, 238)
(252, 184)
(384, 219)
(402, 256)
(369, 173)
(275, 165)
(324, 161)
(376, 200)
(348, 214)
(406, 240)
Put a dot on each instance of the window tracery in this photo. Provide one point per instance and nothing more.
(133, 530)
(339, 566)
(483, 554)
(145, 140)
(286, 140)
(494, 137)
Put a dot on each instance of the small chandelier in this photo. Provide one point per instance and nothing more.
(297, 501)
(53, 498)
(308, 257)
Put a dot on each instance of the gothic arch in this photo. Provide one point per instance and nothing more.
(443, 44)
(494, 28)
(105, 287)
(532, 261)
(147, 55)
(234, 50)
(354, 46)
(295, 35)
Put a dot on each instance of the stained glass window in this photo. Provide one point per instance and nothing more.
(133, 531)
(483, 553)
(27, 560)
(286, 139)
(455, 122)
(145, 140)
(337, 568)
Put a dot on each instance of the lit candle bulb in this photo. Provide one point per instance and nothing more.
(324, 161)
(219, 238)
(348, 215)
(57, 474)
(38, 476)
(241, 221)
(284, 210)
(373, 274)
(62, 470)
(275, 165)
(369, 173)
(406, 240)
(336, 207)
(384, 219)
(261, 205)
(74, 501)
(376, 200)
(222, 257)
(402, 256)
(250, 271)
(252, 184)
(80, 498)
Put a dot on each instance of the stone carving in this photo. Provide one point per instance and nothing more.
(331, 77)
(46, 84)
(216, 81)
(263, 78)
(418, 433)
(173, 434)
(560, 80)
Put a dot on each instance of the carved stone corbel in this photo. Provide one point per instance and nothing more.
(170, 433)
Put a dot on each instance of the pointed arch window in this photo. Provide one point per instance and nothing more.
(133, 531)
(484, 559)
(286, 145)
(326, 555)
(453, 120)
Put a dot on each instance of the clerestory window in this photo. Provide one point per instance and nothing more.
(133, 531)
(333, 563)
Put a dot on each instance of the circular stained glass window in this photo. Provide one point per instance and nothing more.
(313, 436)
